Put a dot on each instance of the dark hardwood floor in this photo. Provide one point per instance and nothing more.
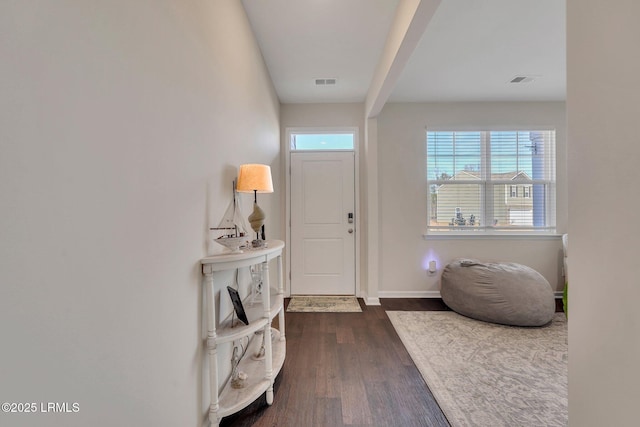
(347, 369)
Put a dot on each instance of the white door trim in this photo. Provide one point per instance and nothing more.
(287, 167)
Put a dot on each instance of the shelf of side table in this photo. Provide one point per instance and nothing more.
(260, 372)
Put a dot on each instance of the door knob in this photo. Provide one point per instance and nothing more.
(350, 230)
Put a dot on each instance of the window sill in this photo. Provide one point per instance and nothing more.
(491, 236)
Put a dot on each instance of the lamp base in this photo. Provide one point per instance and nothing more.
(258, 243)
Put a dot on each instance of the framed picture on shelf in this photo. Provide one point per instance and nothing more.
(237, 305)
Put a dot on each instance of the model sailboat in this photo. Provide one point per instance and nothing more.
(233, 226)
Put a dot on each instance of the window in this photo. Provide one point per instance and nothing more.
(322, 141)
(491, 181)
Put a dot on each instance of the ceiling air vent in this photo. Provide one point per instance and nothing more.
(522, 79)
(325, 82)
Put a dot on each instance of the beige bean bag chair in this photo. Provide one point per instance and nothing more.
(505, 293)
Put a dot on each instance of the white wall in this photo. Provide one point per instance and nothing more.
(404, 253)
(122, 124)
(603, 112)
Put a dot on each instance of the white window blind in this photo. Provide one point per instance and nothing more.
(491, 181)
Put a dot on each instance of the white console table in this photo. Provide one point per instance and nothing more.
(262, 372)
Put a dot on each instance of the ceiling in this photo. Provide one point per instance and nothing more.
(469, 50)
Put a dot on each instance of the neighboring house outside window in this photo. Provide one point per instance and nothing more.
(484, 181)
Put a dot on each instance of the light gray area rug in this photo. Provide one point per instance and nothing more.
(324, 304)
(484, 374)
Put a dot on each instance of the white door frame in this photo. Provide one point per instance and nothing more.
(287, 167)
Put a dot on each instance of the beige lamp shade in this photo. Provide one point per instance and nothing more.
(254, 177)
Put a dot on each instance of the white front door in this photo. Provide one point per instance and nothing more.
(322, 223)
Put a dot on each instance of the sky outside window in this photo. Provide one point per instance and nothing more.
(324, 141)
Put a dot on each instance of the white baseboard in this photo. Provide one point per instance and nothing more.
(369, 300)
(409, 294)
(426, 294)
(372, 301)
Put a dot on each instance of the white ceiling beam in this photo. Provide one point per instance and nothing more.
(409, 24)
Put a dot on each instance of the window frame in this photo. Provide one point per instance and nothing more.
(487, 190)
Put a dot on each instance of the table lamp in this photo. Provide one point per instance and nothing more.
(257, 179)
